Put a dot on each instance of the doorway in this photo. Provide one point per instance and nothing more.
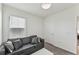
(78, 35)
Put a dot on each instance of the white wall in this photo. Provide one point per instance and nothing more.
(33, 24)
(0, 23)
(77, 14)
(60, 29)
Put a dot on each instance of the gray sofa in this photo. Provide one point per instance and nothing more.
(23, 46)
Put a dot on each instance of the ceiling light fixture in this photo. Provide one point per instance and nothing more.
(46, 5)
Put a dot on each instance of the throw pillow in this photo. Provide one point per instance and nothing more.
(34, 40)
(9, 47)
(39, 39)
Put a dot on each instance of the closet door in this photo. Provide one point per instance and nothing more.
(0, 23)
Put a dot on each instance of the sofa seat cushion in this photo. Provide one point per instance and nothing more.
(22, 49)
(26, 47)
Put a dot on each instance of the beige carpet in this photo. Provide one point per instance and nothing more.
(43, 51)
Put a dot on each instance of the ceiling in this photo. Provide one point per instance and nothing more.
(35, 8)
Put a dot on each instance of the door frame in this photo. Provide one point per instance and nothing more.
(77, 17)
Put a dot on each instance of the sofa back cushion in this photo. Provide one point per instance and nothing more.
(12, 39)
(17, 44)
(26, 40)
(33, 36)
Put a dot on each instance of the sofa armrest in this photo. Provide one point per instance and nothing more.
(42, 42)
(2, 50)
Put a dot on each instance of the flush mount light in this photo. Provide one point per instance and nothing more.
(46, 5)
